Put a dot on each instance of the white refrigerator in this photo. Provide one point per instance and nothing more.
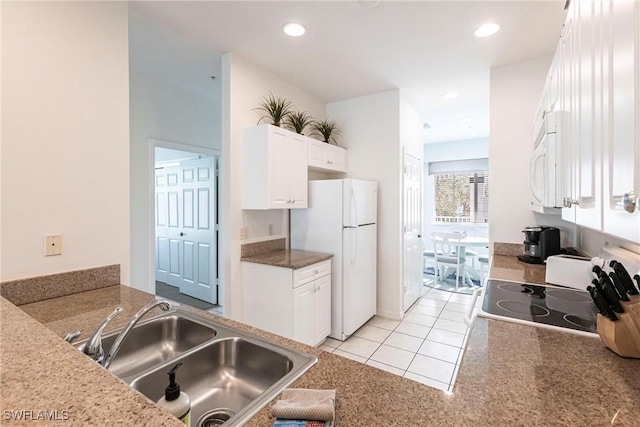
(341, 220)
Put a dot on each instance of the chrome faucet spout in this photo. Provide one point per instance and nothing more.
(162, 303)
(93, 347)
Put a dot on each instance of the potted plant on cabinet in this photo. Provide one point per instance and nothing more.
(326, 129)
(275, 109)
(298, 120)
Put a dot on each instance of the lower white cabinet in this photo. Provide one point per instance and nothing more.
(293, 303)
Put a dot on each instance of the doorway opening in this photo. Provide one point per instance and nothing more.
(186, 183)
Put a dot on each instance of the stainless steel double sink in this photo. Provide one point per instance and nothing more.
(228, 374)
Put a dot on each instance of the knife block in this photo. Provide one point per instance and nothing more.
(623, 335)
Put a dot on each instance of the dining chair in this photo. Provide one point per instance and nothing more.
(444, 244)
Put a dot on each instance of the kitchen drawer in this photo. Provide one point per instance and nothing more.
(311, 272)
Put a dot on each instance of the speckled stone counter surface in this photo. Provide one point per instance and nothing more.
(510, 374)
(31, 289)
(510, 268)
(288, 259)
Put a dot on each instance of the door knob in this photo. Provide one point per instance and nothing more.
(181, 233)
(629, 202)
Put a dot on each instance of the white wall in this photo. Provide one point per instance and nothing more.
(450, 151)
(371, 132)
(166, 112)
(244, 85)
(411, 131)
(65, 136)
(515, 91)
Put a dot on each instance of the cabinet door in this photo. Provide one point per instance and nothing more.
(298, 173)
(567, 101)
(589, 116)
(303, 313)
(322, 309)
(279, 161)
(317, 156)
(337, 158)
(622, 153)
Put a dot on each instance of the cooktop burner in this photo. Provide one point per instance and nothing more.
(543, 305)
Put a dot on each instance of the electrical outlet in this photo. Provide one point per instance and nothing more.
(270, 229)
(244, 233)
(52, 244)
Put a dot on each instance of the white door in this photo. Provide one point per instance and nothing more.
(359, 284)
(322, 309)
(412, 226)
(360, 201)
(622, 153)
(185, 228)
(299, 172)
(303, 313)
(280, 162)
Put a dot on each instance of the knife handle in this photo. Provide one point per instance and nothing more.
(615, 280)
(601, 304)
(610, 294)
(597, 270)
(624, 277)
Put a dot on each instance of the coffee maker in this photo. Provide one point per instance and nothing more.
(540, 243)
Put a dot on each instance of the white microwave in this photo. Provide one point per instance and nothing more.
(545, 176)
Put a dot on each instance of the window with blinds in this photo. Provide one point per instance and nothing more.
(461, 197)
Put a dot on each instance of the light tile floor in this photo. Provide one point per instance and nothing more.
(426, 346)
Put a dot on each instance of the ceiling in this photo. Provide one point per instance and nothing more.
(355, 48)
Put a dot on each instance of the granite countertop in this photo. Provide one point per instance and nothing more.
(293, 259)
(509, 375)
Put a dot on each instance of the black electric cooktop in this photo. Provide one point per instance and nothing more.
(560, 307)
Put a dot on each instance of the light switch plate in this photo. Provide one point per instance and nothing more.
(52, 244)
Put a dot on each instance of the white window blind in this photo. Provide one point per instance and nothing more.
(453, 166)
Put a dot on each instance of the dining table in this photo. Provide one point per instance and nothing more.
(461, 245)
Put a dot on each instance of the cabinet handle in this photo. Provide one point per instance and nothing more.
(629, 202)
(567, 202)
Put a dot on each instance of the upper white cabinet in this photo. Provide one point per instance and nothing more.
(274, 169)
(587, 114)
(596, 67)
(326, 157)
(621, 180)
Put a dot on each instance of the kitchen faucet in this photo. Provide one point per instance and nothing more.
(93, 347)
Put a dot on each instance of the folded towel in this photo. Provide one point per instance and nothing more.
(301, 423)
(305, 404)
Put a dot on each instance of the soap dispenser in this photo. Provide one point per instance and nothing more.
(175, 401)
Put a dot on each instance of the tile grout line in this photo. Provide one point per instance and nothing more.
(423, 340)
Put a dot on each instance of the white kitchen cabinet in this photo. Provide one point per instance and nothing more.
(621, 172)
(325, 157)
(567, 99)
(588, 116)
(293, 303)
(599, 86)
(274, 168)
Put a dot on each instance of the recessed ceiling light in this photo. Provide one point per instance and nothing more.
(486, 30)
(464, 119)
(294, 29)
(449, 95)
